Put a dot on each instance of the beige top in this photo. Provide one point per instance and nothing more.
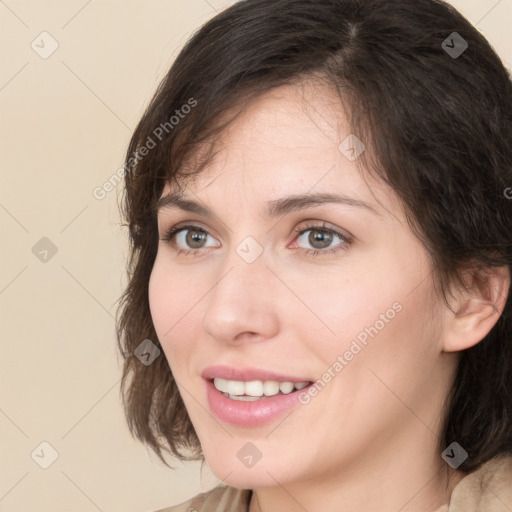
(488, 489)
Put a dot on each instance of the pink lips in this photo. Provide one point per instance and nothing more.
(248, 374)
(254, 413)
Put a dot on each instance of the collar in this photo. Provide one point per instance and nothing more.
(487, 489)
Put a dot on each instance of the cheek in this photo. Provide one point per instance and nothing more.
(170, 301)
(343, 303)
(373, 304)
(158, 297)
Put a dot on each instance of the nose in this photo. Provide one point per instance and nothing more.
(243, 303)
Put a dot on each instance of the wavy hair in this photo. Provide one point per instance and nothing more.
(437, 116)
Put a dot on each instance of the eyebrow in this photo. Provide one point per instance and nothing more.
(274, 208)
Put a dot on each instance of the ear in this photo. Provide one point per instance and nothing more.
(476, 308)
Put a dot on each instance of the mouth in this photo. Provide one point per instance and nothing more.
(253, 403)
(250, 391)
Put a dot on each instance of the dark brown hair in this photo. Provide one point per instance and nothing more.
(437, 117)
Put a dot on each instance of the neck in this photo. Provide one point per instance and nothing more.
(402, 484)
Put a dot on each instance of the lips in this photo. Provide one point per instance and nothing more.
(264, 410)
(249, 374)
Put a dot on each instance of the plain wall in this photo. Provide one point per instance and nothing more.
(65, 124)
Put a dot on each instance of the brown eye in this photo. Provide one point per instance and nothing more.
(187, 237)
(321, 239)
(195, 239)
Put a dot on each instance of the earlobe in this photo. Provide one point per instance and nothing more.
(478, 309)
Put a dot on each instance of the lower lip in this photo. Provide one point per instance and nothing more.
(250, 414)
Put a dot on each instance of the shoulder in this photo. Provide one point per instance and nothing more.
(488, 489)
(222, 498)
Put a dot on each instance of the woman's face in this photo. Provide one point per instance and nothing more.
(250, 295)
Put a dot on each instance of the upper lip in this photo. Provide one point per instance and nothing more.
(247, 374)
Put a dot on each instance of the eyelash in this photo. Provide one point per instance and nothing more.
(346, 241)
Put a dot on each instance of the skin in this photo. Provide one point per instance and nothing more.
(369, 439)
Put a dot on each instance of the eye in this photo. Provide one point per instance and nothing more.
(190, 239)
(187, 238)
(321, 239)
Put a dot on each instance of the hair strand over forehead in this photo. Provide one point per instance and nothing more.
(440, 133)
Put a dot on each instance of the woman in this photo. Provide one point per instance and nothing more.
(318, 302)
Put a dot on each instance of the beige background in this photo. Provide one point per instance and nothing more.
(65, 123)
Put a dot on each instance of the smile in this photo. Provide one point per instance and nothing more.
(246, 410)
(255, 389)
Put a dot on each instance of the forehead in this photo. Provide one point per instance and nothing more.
(290, 140)
(303, 116)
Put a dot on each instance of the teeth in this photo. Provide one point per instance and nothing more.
(270, 388)
(286, 387)
(256, 388)
(244, 398)
(234, 387)
(253, 388)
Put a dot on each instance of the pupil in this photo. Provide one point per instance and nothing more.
(320, 236)
(192, 239)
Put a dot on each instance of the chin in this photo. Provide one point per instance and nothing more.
(249, 478)
(242, 472)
